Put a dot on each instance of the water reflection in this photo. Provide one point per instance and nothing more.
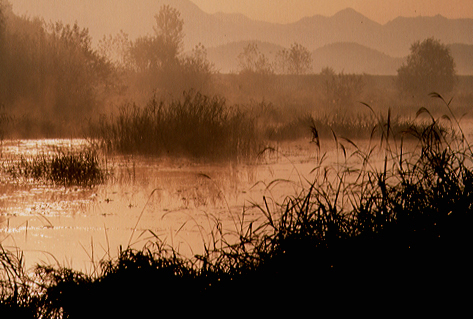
(179, 201)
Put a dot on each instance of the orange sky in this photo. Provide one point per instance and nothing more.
(282, 11)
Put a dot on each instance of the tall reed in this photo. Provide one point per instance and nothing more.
(199, 126)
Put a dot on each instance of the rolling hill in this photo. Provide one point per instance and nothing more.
(354, 58)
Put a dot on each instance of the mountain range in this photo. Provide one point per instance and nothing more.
(342, 36)
(393, 38)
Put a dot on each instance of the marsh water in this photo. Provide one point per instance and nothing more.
(177, 201)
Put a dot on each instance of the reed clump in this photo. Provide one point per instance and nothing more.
(198, 126)
(66, 167)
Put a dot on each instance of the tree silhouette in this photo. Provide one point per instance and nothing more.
(116, 49)
(160, 51)
(297, 60)
(158, 62)
(251, 60)
(429, 68)
(197, 69)
(168, 29)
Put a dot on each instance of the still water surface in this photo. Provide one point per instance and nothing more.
(175, 200)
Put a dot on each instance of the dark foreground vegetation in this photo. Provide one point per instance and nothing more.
(399, 224)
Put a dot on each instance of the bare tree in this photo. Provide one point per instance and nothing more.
(297, 60)
(169, 26)
(251, 60)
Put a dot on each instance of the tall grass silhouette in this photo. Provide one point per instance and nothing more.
(385, 217)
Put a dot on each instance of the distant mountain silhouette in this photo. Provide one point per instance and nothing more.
(402, 32)
(354, 58)
(317, 32)
(394, 38)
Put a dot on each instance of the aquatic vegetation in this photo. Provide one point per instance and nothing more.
(200, 127)
(65, 167)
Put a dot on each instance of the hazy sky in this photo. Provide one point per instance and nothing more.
(282, 11)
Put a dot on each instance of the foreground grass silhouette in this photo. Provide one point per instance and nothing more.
(399, 225)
